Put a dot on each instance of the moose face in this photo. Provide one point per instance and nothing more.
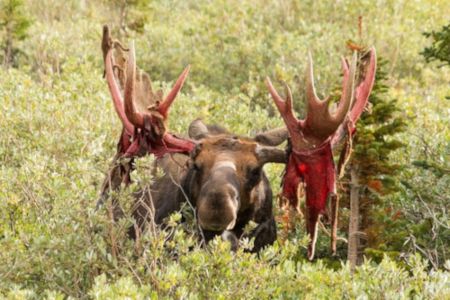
(227, 170)
(225, 178)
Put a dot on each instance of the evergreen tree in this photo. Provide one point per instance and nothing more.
(440, 48)
(420, 225)
(371, 171)
(14, 25)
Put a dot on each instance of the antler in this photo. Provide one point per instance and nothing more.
(319, 123)
(310, 159)
(137, 105)
(135, 117)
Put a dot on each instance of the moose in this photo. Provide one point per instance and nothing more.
(218, 172)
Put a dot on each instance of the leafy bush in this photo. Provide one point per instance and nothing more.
(58, 132)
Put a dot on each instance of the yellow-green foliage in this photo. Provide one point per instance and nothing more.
(58, 132)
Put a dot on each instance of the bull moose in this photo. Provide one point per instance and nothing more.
(220, 173)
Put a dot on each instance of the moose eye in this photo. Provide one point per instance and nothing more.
(255, 172)
(253, 177)
(196, 167)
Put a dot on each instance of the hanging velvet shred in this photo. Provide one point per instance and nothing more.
(315, 168)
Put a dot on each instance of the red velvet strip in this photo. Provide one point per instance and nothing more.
(144, 144)
(317, 171)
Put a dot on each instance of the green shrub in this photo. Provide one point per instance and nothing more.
(58, 132)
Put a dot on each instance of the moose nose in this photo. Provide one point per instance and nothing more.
(217, 206)
(211, 226)
(216, 225)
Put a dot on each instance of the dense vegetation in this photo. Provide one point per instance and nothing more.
(58, 133)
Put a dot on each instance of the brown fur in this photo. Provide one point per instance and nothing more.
(223, 180)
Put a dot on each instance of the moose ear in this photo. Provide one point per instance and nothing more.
(274, 137)
(196, 150)
(268, 154)
(198, 130)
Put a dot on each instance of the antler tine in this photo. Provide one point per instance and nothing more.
(347, 97)
(115, 93)
(285, 107)
(317, 110)
(364, 89)
(164, 106)
(133, 116)
(345, 76)
(311, 97)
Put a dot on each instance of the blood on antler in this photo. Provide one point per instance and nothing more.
(142, 112)
(158, 109)
(310, 158)
(319, 123)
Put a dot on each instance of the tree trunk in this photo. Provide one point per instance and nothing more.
(354, 217)
(8, 51)
(123, 17)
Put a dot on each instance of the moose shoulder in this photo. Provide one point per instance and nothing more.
(224, 181)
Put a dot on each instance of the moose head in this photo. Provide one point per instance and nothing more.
(226, 181)
(310, 159)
